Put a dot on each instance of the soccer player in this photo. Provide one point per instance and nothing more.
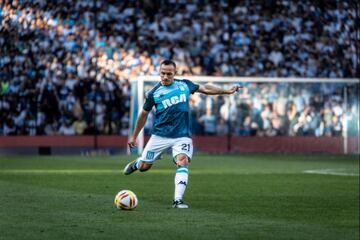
(171, 129)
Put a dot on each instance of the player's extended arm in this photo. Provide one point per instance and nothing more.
(139, 125)
(213, 90)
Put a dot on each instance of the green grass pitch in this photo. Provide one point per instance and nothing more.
(230, 197)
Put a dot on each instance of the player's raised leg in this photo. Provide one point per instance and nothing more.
(153, 150)
(137, 164)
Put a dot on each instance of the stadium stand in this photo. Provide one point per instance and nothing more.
(65, 65)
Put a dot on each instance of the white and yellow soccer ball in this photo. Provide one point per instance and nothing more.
(126, 199)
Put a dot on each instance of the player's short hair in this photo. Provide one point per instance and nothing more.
(168, 62)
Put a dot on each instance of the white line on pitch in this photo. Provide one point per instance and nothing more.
(338, 172)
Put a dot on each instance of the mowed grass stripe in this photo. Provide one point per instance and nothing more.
(337, 172)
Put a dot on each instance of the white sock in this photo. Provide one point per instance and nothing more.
(138, 163)
(181, 181)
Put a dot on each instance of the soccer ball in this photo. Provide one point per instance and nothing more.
(126, 199)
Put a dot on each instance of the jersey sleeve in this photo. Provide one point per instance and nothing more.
(192, 86)
(149, 102)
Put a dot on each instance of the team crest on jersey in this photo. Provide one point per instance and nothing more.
(182, 88)
(159, 95)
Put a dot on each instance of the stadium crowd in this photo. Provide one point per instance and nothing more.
(65, 66)
(279, 109)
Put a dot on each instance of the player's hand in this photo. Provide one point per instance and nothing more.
(235, 88)
(132, 142)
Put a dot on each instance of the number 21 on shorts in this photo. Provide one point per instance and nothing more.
(185, 147)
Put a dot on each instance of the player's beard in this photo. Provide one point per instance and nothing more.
(166, 82)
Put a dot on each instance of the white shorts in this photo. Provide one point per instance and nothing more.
(157, 145)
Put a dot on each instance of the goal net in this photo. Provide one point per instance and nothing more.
(267, 107)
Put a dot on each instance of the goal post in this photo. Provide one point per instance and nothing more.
(344, 92)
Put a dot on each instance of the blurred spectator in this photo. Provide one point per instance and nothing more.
(67, 128)
(79, 126)
(222, 127)
(208, 122)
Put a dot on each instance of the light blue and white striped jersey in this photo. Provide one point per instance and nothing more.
(172, 116)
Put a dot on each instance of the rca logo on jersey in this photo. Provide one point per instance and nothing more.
(174, 100)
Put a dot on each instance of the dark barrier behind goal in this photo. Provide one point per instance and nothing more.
(46, 145)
